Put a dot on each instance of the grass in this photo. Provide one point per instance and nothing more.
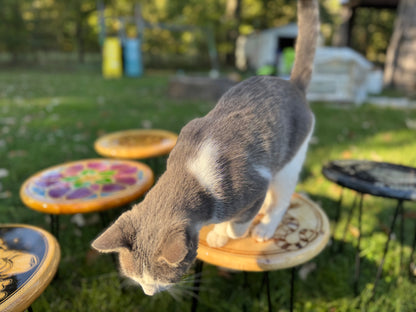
(50, 118)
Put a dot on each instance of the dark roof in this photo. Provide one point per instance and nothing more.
(380, 4)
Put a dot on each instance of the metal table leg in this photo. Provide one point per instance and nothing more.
(399, 207)
(266, 281)
(197, 282)
(337, 217)
(292, 289)
(350, 213)
(357, 254)
(55, 225)
(411, 264)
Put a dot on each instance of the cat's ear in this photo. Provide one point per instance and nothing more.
(112, 240)
(174, 249)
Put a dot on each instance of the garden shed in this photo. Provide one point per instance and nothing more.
(264, 47)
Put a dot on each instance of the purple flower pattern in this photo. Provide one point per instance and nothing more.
(85, 180)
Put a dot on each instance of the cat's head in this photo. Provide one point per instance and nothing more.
(154, 254)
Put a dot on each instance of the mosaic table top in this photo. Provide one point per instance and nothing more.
(371, 177)
(86, 186)
(303, 234)
(29, 259)
(136, 144)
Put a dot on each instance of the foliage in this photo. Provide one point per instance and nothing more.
(372, 32)
(50, 118)
(176, 29)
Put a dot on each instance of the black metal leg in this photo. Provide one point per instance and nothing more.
(55, 225)
(401, 212)
(350, 213)
(246, 287)
(266, 281)
(357, 254)
(386, 246)
(292, 289)
(411, 265)
(197, 282)
(337, 216)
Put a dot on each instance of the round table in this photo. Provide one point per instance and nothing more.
(29, 259)
(302, 235)
(371, 177)
(376, 178)
(136, 144)
(90, 185)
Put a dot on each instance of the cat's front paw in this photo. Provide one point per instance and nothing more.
(263, 232)
(216, 240)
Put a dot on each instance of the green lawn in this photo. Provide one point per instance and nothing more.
(50, 118)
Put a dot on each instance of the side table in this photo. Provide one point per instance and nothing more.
(137, 144)
(379, 179)
(302, 235)
(29, 259)
(90, 185)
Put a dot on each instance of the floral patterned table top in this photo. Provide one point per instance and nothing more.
(86, 186)
(136, 144)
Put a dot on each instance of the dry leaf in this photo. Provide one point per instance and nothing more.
(4, 173)
(306, 269)
(354, 231)
(17, 153)
(78, 219)
(5, 195)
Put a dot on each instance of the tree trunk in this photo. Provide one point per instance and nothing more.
(233, 16)
(79, 33)
(400, 68)
(340, 38)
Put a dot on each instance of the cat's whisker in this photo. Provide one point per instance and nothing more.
(189, 287)
(188, 293)
(175, 294)
(190, 281)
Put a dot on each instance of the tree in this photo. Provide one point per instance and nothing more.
(400, 68)
(13, 32)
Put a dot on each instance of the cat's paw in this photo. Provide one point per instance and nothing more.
(216, 240)
(237, 230)
(263, 232)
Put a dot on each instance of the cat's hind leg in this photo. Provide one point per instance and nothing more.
(278, 197)
(239, 227)
(273, 210)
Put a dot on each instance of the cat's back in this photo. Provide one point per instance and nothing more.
(260, 92)
(260, 115)
(264, 105)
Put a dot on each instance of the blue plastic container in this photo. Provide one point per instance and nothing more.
(133, 66)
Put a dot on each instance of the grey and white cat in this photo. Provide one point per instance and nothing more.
(242, 157)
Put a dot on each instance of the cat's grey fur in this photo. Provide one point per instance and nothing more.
(220, 171)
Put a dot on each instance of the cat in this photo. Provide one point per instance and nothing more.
(242, 157)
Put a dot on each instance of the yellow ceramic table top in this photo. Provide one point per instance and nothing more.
(29, 259)
(86, 186)
(302, 235)
(136, 144)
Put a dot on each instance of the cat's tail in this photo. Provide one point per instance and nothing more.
(308, 24)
